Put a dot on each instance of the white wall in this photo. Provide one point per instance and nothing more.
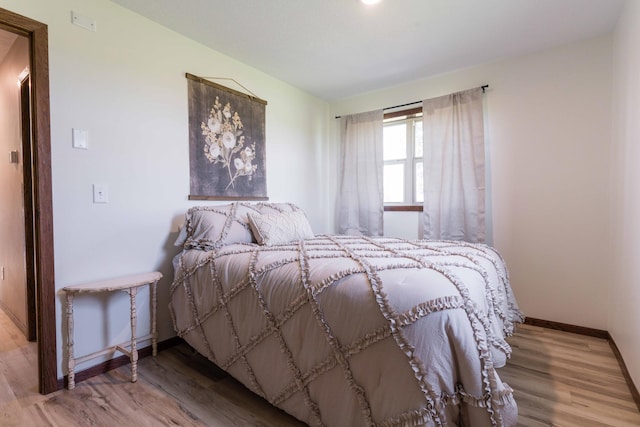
(624, 319)
(125, 84)
(549, 135)
(549, 127)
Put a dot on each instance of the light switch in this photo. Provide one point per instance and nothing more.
(100, 193)
(80, 139)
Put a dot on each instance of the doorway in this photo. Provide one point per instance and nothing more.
(41, 223)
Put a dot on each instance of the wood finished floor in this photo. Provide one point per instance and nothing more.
(560, 379)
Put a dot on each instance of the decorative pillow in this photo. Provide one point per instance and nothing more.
(278, 228)
(211, 227)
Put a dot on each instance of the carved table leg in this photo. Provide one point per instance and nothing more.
(154, 328)
(72, 361)
(134, 350)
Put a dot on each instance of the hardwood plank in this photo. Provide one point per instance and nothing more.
(559, 378)
(562, 378)
(208, 392)
(111, 399)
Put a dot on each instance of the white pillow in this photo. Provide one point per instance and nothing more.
(279, 228)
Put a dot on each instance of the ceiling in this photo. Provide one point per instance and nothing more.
(339, 48)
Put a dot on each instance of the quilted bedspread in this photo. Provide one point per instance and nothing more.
(356, 331)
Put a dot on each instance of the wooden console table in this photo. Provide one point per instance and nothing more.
(130, 285)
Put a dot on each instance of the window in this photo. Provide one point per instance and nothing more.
(402, 154)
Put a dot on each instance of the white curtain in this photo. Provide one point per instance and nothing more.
(360, 197)
(454, 167)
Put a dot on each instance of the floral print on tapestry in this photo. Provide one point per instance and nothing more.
(226, 142)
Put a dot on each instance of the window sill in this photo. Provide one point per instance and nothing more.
(403, 208)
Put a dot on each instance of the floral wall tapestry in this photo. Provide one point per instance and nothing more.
(226, 143)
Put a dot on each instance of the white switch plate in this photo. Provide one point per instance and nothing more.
(100, 193)
(80, 139)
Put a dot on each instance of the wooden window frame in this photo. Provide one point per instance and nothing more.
(403, 207)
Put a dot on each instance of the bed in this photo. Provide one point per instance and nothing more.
(346, 330)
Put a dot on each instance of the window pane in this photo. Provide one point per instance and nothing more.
(394, 183)
(417, 132)
(419, 195)
(394, 142)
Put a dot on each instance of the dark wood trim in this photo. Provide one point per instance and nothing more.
(404, 208)
(5, 25)
(42, 197)
(597, 333)
(625, 372)
(43, 202)
(117, 362)
(407, 112)
(581, 330)
(29, 229)
(226, 198)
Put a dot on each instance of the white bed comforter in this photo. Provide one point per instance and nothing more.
(354, 331)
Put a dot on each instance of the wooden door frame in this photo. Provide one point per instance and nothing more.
(37, 33)
(29, 229)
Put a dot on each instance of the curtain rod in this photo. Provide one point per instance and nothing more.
(483, 87)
